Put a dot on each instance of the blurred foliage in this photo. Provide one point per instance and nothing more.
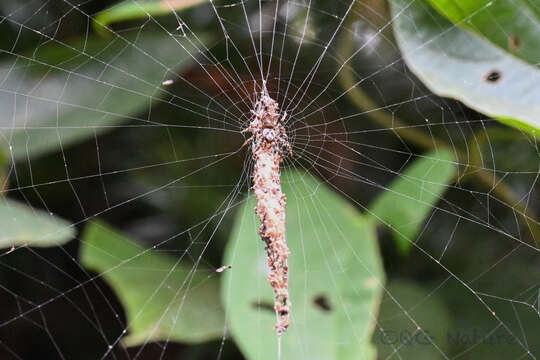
(477, 333)
(111, 85)
(24, 225)
(129, 10)
(399, 120)
(492, 69)
(165, 299)
(413, 194)
(399, 330)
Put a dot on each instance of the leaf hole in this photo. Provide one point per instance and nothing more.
(514, 42)
(322, 302)
(263, 306)
(493, 76)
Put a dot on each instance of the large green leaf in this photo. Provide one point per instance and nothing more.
(461, 64)
(58, 95)
(130, 10)
(164, 298)
(335, 278)
(512, 25)
(23, 225)
(413, 194)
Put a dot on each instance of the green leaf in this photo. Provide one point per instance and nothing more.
(458, 63)
(412, 195)
(23, 225)
(512, 25)
(164, 298)
(335, 278)
(3, 162)
(129, 10)
(46, 107)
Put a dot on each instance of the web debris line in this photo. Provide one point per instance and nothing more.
(269, 140)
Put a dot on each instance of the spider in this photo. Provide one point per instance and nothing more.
(267, 126)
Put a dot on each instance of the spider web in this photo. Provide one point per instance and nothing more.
(173, 173)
